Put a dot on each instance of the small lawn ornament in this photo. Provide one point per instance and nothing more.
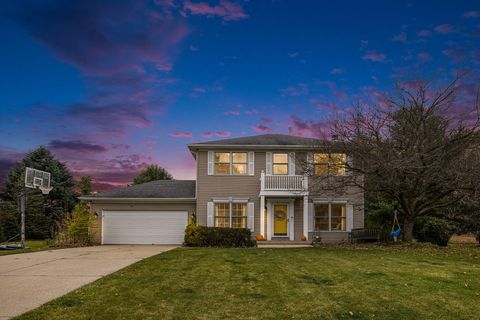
(303, 238)
(395, 233)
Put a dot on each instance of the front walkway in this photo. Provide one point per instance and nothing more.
(29, 280)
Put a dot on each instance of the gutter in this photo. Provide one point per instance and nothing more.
(138, 200)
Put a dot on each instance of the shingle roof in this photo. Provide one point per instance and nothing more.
(264, 140)
(169, 189)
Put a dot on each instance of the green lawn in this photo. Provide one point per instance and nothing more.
(364, 282)
(34, 245)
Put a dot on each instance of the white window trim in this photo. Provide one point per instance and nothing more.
(281, 163)
(330, 214)
(230, 211)
(231, 164)
(329, 164)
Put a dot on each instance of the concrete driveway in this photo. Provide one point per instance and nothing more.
(28, 280)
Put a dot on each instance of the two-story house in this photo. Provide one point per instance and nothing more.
(279, 186)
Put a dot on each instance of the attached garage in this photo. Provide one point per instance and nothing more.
(143, 227)
(155, 212)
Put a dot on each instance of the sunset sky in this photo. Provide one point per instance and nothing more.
(111, 86)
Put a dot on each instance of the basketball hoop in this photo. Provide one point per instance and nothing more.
(34, 179)
(45, 190)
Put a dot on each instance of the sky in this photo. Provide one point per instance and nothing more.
(112, 86)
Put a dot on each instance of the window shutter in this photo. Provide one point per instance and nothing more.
(269, 163)
(310, 166)
(251, 216)
(291, 163)
(251, 163)
(311, 212)
(210, 163)
(349, 217)
(210, 209)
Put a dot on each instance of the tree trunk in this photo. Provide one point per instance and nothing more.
(408, 229)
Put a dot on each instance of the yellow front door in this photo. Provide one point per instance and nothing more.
(280, 219)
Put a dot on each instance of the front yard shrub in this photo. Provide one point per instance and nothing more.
(74, 231)
(434, 230)
(200, 236)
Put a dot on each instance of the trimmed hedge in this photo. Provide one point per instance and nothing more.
(434, 230)
(200, 236)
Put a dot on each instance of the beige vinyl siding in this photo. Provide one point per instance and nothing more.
(298, 218)
(97, 207)
(218, 186)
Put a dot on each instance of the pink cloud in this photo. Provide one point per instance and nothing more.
(318, 129)
(424, 57)
(236, 112)
(424, 33)
(181, 135)
(223, 134)
(251, 111)
(266, 120)
(374, 56)
(227, 10)
(295, 91)
(340, 94)
(232, 113)
(207, 134)
(472, 14)
(337, 71)
(456, 55)
(401, 37)
(444, 28)
(323, 105)
(261, 128)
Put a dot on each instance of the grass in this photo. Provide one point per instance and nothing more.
(33, 245)
(362, 282)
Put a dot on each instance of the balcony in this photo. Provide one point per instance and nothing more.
(283, 184)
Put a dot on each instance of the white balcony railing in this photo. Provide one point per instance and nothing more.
(283, 183)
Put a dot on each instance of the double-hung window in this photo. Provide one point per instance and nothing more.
(329, 163)
(230, 215)
(280, 163)
(330, 217)
(231, 163)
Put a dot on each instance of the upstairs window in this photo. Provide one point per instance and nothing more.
(239, 163)
(329, 163)
(235, 163)
(280, 163)
(222, 163)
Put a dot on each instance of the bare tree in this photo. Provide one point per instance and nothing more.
(415, 148)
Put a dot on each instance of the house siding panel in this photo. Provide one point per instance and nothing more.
(218, 186)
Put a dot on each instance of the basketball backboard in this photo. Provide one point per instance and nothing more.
(37, 179)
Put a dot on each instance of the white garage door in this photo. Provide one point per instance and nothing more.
(143, 227)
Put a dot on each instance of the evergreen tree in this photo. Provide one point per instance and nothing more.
(42, 212)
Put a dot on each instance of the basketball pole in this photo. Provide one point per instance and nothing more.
(22, 217)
